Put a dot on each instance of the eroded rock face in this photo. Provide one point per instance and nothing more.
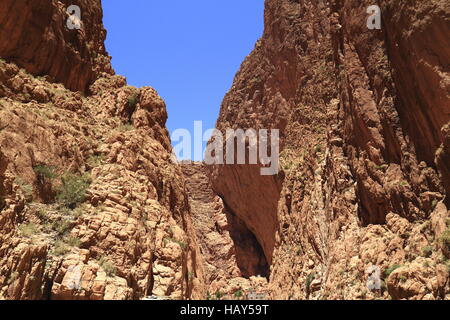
(92, 204)
(360, 113)
(234, 262)
(127, 237)
(34, 35)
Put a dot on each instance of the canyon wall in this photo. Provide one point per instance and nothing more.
(33, 35)
(363, 115)
(92, 204)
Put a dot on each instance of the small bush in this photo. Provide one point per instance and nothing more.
(95, 160)
(238, 294)
(182, 244)
(78, 212)
(45, 172)
(427, 251)
(73, 241)
(133, 99)
(42, 214)
(391, 269)
(125, 127)
(382, 167)
(73, 190)
(447, 264)
(29, 229)
(445, 238)
(108, 266)
(309, 280)
(27, 189)
(61, 226)
(63, 246)
(219, 295)
(433, 204)
(60, 248)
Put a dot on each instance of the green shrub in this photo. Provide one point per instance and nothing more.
(63, 246)
(72, 241)
(382, 167)
(60, 248)
(391, 269)
(133, 99)
(445, 238)
(447, 264)
(238, 294)
(427, 251)
(42, 214)
(433, 204)
(219, 295)
(45, 172)
(108, 266)
(27, 189)
(309, 280)
(78, 212)
(73, 189)
(61, 226)
(29, 229)
(182, 244)
(125, 127)
(95, 160)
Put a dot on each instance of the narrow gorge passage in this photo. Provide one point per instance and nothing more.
(229, 249)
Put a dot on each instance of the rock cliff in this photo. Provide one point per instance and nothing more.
(92, 204)
(363, 117)
(34, 36)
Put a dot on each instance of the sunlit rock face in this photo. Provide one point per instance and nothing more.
(35, 36)
(92, 205)
(363, 115)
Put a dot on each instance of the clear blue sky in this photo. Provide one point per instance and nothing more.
(189, 51)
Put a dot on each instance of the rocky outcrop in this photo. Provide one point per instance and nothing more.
(443, 160)
(95, 207)
(360, 113)
(34, 35)
(92, 204)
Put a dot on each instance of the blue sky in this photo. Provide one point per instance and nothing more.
(189, 51)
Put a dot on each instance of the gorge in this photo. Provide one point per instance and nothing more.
(94, 207)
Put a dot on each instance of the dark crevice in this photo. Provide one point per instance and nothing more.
(250, 256)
